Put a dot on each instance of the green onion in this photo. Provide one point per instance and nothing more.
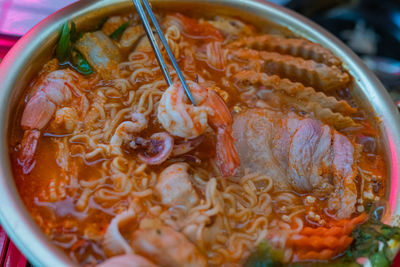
(81, 63)
(64, 47)
(379, 260)
(65, 53)
(118, 32)
(371, 240)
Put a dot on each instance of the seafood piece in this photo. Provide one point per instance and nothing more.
(189, 62)
(166, 247)
(175, 188)
(99, 50)
(333, 118)
(229, 26)
(290, 46)
(114, 243)
(296, 90)
(65, 118)
(187, 146)
(326, 108)
(297, 154)
(297, 69)
(144, 45)
(215, 55)
(56, 89)
(125, 131)
(127, 261)
(159, 149)
(178, 116)
(181, 118)
(131, 36)
(192, 28)
(112, 24)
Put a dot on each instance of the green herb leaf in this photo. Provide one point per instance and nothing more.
(65, 53)
(379, 260)
(118, 32)
(265, 256)
(81, 64)
(370, 237)
(371, 240)
(64, 46)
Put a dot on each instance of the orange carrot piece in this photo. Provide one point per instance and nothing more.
(323, 243)
(204, 30)
(325, 254)
(319, 243)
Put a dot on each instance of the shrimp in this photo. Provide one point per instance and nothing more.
(180, 118)
(66, 118)
(57, 89)
(166, 247)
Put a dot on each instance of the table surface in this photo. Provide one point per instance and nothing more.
(19, 16)
(16, 18)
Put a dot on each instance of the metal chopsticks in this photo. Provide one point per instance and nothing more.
(154, 45)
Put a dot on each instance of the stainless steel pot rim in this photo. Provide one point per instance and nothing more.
(16, 220)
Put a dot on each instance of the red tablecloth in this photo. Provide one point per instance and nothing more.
(6, 42)
(9, 254)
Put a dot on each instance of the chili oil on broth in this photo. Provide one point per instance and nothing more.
(78, 186)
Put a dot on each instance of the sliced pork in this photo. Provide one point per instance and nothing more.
(299, 154)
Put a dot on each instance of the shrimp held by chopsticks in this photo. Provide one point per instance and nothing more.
(180, 118)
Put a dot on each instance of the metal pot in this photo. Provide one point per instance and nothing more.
(36, 47)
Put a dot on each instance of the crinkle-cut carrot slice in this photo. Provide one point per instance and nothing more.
(342, 227)
(323, 243)
(325, 254)
(321, 231)
(354, 221)
(319, 243)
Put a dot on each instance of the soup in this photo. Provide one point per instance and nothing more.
(275, 157)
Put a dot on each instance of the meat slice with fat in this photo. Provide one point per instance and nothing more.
(298, 153)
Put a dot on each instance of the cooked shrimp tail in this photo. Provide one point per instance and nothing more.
(221, 121)
(56, 89)
(28, 148)
(227, 156)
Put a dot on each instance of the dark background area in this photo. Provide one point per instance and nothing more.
(370, 27)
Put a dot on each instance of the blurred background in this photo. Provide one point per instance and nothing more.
(370, 27)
